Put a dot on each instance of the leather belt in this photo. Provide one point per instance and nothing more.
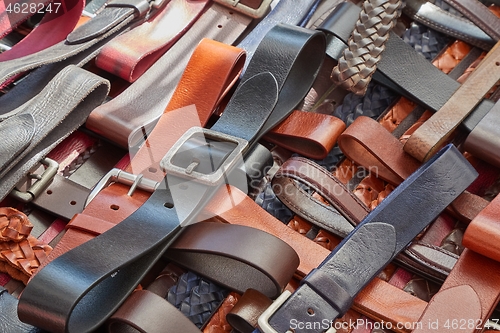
(9, 322)
(328, 291)
(129, 55)
(53, 28)
(113, 19)
(73, 92)
(480, 15)
(437, 130)
(440, 20)
(468, 279)
(115, 277)
(144, 101)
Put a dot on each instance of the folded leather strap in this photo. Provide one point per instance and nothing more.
(129, 55)
(296, 171)
(468, 279)
(113, 19)
(57, 111)
(144, 101)
(483, 140)
(431, 93)
(223, 253)
(392, 163)
(440, 20)
(96, 286)
(53, 28)
(244, 315)
(480, 15)
(9, 322)
(429, 137)
(328, 291)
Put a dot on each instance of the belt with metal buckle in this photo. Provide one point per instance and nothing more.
(77, 291)
(328, 291)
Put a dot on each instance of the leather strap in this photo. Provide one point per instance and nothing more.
(483, 139)
(129, 55)
(428, 138)
(301, 203)
(146, 99)
(480, 15)
(115, 277)
(53, 28)
(9, 322)
(244, 315)
(448, 23)
(394, 164)
(73, 93)
(328, 291)
(212, 250)
(113, 19)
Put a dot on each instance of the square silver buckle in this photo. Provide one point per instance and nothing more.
(243, 9)
(211, 179)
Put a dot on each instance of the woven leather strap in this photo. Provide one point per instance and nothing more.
(366, 44)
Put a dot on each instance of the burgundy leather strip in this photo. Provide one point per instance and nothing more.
(132, 53)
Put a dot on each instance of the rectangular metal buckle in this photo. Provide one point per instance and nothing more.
(119, 176)
(263, 321)
(255, 13)
(41, 183)
(214, 178)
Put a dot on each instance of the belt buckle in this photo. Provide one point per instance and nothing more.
(263, 321)
(211, 179)
(42, 181)
(255, 13)
(116, 175)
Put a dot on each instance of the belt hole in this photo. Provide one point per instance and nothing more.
(49, 192)
(219, 26)
(72, 202)
(497, 63)
(114, 207)
(310, 312)
(169, 205)
(152, 170)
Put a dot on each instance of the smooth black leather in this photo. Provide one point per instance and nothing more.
(80, 289)
(328, 291)
(9, 322)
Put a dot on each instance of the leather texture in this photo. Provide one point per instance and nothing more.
(74, 93)
(482, 141)
(9, 322)
(145, 100)
(244, 315)
(18, 132)
(114, 278)
(480, 15)
(209, 250)
(129, 55)
(342, 201)
(428, 138)
(339, 270)
(448, 23)
(52, 29)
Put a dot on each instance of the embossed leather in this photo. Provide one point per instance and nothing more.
(339, 270)
(17, 132)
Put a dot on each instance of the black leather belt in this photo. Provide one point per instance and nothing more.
(80, 289)
(328, 291)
